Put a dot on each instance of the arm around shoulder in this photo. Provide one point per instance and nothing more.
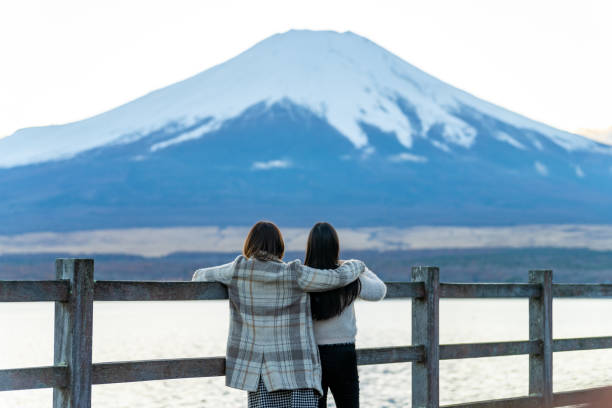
(320, 280)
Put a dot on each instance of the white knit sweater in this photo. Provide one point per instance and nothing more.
(342, 329)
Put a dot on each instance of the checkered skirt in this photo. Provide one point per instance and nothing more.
(300, 398)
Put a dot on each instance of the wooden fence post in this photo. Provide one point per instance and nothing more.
(73, 333)
(540, 328)
(425, 332)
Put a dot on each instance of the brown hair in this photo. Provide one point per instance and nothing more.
(264, 242)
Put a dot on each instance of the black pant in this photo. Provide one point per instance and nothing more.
(339, 364)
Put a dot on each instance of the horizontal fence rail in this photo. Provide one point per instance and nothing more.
(585, 343)
(75, 290)
(478, 350)
(131, 371)
(403, 290)
(489, 290)
(582, 291)
(33, 377)
(139, 291)
(34, 291)
(57, 291)
(148, 370)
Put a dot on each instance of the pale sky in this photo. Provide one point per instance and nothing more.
(66, 60)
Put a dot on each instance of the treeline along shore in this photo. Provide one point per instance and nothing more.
(456, 265)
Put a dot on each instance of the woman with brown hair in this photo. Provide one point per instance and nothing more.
(271, 349)
(333, 313)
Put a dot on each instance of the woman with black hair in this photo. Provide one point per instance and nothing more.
(271, 350)
(333, 313)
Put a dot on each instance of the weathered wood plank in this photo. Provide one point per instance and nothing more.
(404, 290)
(34, 291)
(131, 371)
(489, 290)
(425, 332)
(586, 343)
(149, 370)
(540, 329)
(517, 402)
(582, 290)
(387, 355)
(73, 333)
(159, 290)
(477, 350)
(152, 290)
(598, 397)
(32, 378)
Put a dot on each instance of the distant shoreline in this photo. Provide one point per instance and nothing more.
(159, 242)
(456, 265)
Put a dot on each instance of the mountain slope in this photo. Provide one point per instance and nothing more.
(303, 126)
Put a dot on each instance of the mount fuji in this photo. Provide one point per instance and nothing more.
(303, 126)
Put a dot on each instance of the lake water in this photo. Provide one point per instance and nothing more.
(155, 330)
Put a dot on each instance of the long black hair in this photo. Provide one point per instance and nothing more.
(322, 252)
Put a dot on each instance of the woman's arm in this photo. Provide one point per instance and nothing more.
(221, 273)
(319, 280)
(372, 288)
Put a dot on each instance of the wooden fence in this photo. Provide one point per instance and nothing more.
(75, 290)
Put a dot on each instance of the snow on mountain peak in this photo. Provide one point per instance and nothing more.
(341, 77)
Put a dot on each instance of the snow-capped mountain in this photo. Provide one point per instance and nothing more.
(344, 79)
(315, 124)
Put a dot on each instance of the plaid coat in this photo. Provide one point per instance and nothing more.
(271, 331)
